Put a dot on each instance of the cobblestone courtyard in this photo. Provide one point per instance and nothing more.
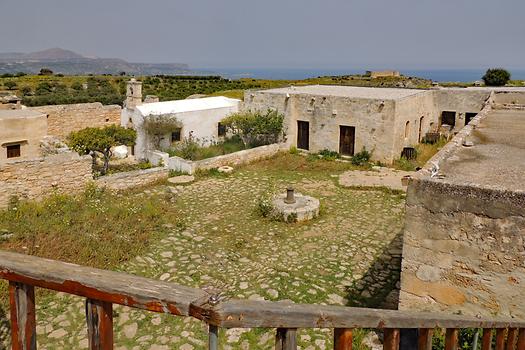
(350, 255)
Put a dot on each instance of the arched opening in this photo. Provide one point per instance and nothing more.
(407, 129)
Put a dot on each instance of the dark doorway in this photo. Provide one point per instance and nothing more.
(346, 140)
(449, 118)
(469, 117)
(303, 135)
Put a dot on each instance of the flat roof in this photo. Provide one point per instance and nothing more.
(372, 93)
(20, 113)
(189, 105)
(497, 159)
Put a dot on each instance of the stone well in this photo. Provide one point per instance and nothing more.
(296, 207)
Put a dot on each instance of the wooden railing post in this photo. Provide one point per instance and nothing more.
(521, 339)
(342, 339)
(500, 338)
(511, 338)
(451, 339)
(99, 318)
(425, 339)
(213, 337)
(286, 339)
(391, 341)
(23, 320)
(486, 342)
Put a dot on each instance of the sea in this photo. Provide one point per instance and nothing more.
(439, 75)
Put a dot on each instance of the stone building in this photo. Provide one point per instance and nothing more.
(21, 131)
(464, 237)
(347, 119)
(199, 118)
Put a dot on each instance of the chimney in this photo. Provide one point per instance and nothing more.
(133, 93)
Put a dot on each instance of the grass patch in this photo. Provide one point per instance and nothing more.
(95, 228)
(191, 150)
(115, 168)
(424, 151)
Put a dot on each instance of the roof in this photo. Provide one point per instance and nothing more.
(180, 106)
(497, 158)
(348, 91)
(20, 113)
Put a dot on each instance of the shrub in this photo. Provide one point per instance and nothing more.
(329, 155)
(256, 128)
(361, 158)
(10, 85)
(160, 125)
(45, 71)
(264, 206)
(496, 77)
(294, 150)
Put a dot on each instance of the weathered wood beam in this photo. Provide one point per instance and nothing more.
(109, 286)
(266, 314)
(23, 319)
(99, 318)
(521, 339)
(500, 338)
(451, 339)
(343, 339)
(391, 339)
(424, 341)
(286, 339)
(511, 338)
(486, 342)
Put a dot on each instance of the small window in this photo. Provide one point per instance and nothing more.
(221, 130)
(13, 151)
(175, 135)
(407, 129)
(107, 120)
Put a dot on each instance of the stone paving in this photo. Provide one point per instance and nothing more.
(349, 255)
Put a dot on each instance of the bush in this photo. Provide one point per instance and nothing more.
(361, 158)
(256, 128)
(496, 77)
(329, 155)
(10, 85)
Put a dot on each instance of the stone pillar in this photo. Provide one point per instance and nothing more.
(133, 93)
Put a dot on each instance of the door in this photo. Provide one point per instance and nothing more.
(303, 135)
(346, 140)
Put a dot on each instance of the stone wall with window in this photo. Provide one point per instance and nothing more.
(20, 134)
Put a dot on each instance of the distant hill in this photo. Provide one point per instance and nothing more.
(72, 63)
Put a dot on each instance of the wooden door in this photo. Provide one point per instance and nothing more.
(303, 135)
(346, 140)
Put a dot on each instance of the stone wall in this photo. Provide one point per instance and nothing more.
(131, 179)
(37, 178)
(63, 119)
(463, 250)
(236, 158)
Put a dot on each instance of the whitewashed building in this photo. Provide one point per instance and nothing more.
(199, 118)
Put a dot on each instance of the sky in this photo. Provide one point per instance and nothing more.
(397, 34)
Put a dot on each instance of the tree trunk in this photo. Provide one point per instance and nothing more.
(93, 155)
(107, 156)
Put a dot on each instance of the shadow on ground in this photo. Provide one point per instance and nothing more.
(379, 286)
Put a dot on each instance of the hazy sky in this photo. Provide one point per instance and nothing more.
(400, 34)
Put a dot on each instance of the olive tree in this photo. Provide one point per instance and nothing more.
(256, 128)
(100, 140)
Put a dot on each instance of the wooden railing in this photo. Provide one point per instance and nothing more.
(103, 288)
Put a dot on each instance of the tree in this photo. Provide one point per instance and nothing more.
(26, 90)
(10, 85)
(496, 77)
(256, 128)
(45, 71)
(93, 140)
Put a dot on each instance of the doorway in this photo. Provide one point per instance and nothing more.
(469, 117)
(303, 135)
(449, 118)
(346, 140)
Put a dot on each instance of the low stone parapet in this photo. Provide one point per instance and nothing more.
(131, 179)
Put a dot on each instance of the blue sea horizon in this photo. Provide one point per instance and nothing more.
(439, 75)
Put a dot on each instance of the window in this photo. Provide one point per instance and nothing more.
(13, 151)
(407, 129)
(221, 130)
(175, 135)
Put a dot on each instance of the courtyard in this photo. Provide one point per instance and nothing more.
(213, 238)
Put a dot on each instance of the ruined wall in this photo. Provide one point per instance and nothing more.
(131, 179)
(510, 98)
(63, 119)
(463, 250)
(37, 178)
